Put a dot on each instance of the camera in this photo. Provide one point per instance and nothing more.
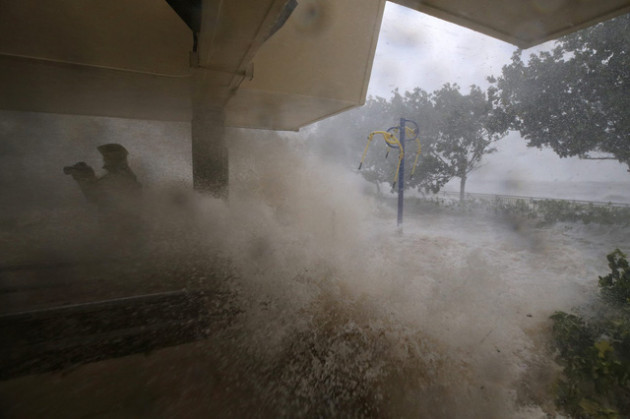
(78, 169)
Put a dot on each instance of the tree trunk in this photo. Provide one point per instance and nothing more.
(462, 187)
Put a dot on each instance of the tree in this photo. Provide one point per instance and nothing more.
(455, 131)
(575, 98)
(343, 139)
(467, 128)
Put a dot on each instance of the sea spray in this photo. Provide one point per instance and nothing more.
(328, 311)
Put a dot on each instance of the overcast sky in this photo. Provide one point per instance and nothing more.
(417, 50)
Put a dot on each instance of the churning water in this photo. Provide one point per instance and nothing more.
(348, 318)
(341, 315)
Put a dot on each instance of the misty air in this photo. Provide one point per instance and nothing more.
(314, 208)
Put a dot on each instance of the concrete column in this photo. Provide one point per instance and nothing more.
(209, 152)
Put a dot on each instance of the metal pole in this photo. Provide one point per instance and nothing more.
(401, 172)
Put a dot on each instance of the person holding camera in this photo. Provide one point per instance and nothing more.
(116, 193)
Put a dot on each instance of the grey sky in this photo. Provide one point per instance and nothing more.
(418, 50)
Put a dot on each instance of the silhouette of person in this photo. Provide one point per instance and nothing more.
(116, 193)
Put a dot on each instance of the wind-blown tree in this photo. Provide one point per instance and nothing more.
(467, 128)
(343, 138)
(575, 98)
(455, 131)
(431, 173)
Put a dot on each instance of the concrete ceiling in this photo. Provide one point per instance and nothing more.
(524, 23)
(132, 58)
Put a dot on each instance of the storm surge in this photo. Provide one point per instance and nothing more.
(333, 312)
(344, 316)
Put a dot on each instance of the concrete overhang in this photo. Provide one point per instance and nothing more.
(524, 23)
(132, 58)
(317, 65)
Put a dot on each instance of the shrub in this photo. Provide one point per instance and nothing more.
(595, 352)
(615, 286)
(544, 211)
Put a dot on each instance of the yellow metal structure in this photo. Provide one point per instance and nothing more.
(411, 133)
(392, 141)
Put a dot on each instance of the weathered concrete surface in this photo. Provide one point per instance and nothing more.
(65, 336)
(176, 382)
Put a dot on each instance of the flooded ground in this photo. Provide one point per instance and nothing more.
(339, 314)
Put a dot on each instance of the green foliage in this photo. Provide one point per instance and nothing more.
(574, 98)
(615, 286)
(514, 208)
(552, 211)
(595, 352)
(541, 211)
(467, 127)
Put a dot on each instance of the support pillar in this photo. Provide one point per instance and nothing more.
(209, 151)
